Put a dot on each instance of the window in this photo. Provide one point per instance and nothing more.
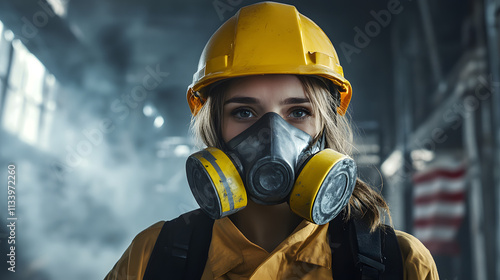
(5, 48)
(32, 91)
(49, 107)
(29, 93)
(5, 42)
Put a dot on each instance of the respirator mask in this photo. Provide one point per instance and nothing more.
(272, 162)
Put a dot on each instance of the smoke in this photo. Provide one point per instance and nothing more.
(104, 172)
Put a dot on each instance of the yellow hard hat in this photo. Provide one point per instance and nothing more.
(267, 38)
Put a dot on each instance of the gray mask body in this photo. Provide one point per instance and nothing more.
(269, 153)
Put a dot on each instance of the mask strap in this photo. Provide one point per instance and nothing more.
(322, 140)
(319, 144)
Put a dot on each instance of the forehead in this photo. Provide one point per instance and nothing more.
(266, 86)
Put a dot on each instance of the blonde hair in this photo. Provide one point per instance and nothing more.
(365, 202)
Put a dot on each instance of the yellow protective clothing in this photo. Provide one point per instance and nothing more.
(305, 254)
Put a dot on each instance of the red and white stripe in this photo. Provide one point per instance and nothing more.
(439, 208)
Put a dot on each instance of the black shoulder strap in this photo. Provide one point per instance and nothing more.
(343, 264)
(391, 254)
(358, 253)
(181, 249)
(369, 250)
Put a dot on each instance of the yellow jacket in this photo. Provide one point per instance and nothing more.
(305, 254)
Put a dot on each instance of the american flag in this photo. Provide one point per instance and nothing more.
(439, 198)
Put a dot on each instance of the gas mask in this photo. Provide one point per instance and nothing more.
(272, 162)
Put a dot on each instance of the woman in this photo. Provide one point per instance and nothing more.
(280, 200)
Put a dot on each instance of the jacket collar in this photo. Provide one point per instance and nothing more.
(308, 243)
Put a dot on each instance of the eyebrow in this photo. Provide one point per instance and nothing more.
(251, 100)
(295, 100)
(245, 100)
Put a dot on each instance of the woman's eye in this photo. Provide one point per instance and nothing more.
(299, 113)
(242, 113)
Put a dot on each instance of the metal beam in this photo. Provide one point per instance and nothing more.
(492, 11)
(475, 198)
(431, 40)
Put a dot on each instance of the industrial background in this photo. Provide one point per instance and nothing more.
(93, 116)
